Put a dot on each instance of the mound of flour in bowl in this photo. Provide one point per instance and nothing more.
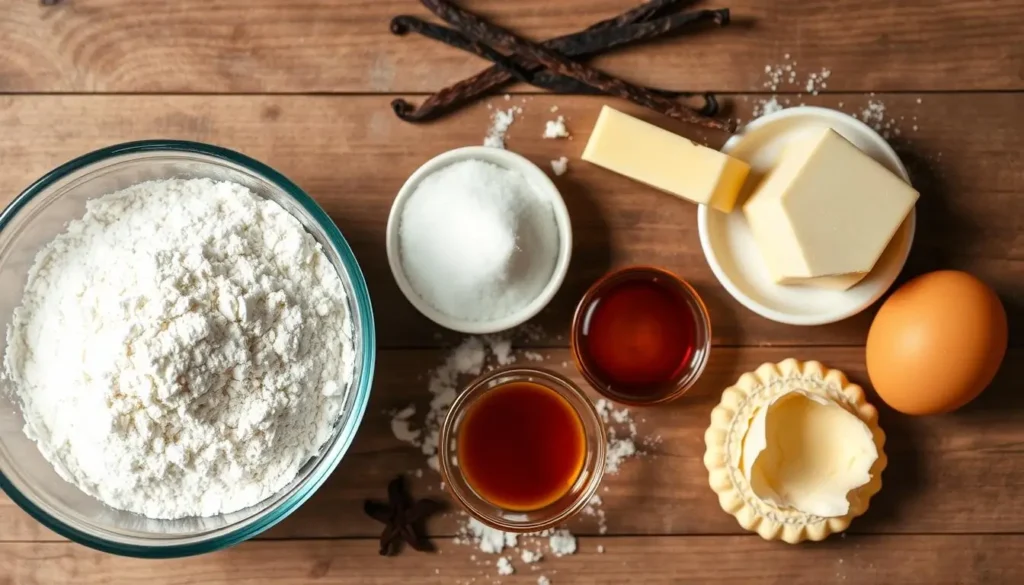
(182, 350)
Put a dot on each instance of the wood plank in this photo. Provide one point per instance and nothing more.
(947, 474)
(868, 560)
(352, 155)
(344, 46)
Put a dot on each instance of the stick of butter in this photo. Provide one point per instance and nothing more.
(646, 153)
(826, 212)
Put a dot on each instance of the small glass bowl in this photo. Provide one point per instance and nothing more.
(702, 328)
(554, 514)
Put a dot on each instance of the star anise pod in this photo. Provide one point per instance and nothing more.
(403, 519)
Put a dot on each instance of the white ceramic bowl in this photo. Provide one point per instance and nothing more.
(538, 181)
(729, 244)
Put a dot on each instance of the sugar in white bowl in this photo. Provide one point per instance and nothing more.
(479, 243)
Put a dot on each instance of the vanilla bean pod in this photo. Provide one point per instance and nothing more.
(486, 81)
(646, 11)
(536, 76)
(500, 38)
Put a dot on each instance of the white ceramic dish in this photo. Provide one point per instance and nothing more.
(729, 245)
(539, 181)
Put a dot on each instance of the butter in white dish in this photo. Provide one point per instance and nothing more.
(826, 212)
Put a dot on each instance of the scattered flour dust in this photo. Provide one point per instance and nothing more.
(504, 566)
(501, 121)
(562, 543)
(786, 77)
(471, 357)
(555, 129)
(182, 350)
(529, 557)
(560, 166)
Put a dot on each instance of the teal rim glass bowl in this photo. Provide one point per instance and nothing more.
(42, 211)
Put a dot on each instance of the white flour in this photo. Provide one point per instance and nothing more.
(182, 350)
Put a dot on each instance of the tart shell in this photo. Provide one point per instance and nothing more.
(724, 441)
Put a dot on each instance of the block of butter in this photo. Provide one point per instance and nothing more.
(824, 215)
(667, 161)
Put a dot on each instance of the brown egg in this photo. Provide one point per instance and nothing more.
(936, 343)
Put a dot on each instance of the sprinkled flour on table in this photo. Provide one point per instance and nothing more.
(504, 566)
(785, 76)
(529, 557)
(555, 129)
(182, 350)
(562, 543)
(501, 121)
(503, 118)
(560, 166)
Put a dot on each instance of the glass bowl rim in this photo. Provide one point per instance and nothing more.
(469, 395)
(693, 299)
(344, 437)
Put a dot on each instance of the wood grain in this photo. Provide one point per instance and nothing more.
(946, 474)
(329, 46)
(312, 82)
(697, 560)
(352, 155)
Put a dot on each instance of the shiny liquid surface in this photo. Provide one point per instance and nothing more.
(521, 446)
(639, 336)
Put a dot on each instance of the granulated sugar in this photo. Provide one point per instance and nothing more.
(476, 241)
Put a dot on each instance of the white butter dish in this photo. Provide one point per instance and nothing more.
(729, 244)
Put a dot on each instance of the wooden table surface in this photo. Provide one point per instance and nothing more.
(305, 86)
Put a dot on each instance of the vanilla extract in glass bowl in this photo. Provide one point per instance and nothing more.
(522, 449)
(641, 335)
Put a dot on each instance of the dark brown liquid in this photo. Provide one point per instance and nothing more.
(639, 336)
(521, 446)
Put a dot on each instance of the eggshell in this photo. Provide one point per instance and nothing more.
(936, 343)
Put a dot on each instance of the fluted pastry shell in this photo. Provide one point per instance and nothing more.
(730, 421)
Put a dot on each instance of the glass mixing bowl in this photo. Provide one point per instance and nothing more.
(40, 213)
